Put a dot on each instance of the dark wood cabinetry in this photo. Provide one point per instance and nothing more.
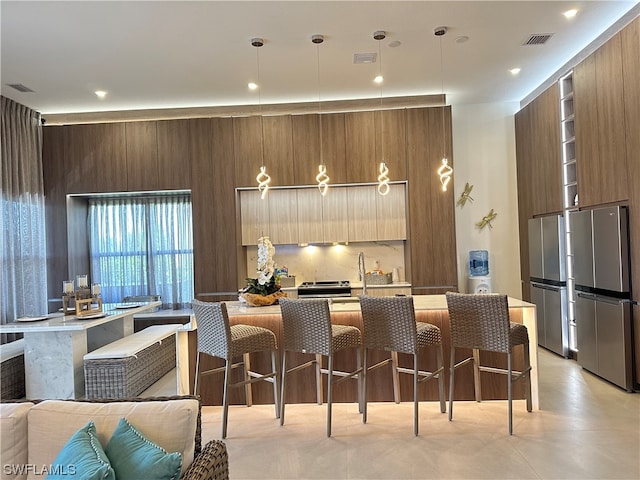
(213, 156)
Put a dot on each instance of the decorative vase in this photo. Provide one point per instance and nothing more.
(256, 300)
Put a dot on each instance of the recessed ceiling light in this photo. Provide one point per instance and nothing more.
(252, 86)
(100, 94)
(462, 39)
(395, 43)
(570, 13)
(378, 79)
(515, 71)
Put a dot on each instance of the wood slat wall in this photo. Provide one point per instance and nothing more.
(212, 156)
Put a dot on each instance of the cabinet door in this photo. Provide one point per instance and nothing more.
(306, 148)
(586, 333)
(361, 205)
(334, 146)
(174, 154)
(278, 149)
(391, 222)
(335, 218)
(247, 143)
(391, 142)
(142, 156)
(283, 217)
(360, 130)
(254, 216)
(309, 202)
(537, 298)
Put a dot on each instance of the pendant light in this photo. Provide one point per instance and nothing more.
(322, 178)
(383, 170)
(445, 171)
(263, 177)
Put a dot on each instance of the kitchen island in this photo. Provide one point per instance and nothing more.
(429, 308)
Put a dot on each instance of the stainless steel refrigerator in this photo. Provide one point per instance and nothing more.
(548, 282)
(601, 263)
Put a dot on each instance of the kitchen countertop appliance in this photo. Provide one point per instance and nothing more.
(600, 242)
(325, 289)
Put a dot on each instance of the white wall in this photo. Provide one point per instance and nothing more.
(484, 155)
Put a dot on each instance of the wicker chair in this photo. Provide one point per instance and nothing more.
(307, 329)
(481, 322)
(390, 324)
(218, 339)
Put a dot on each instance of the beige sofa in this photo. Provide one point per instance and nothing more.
(32, 433)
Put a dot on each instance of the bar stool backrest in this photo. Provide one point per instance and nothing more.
(306, 325)
(479, 321)
(389, 323)
(214, 332)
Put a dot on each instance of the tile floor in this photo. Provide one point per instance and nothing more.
(585, 429)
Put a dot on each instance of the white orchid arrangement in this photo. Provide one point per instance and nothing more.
(267, 281)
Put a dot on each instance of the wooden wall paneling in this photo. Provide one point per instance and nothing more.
(254, 215)
(586, 126)
(203, 198)
(549, 151)
(79, 161)
(523, 129)
(419, 171)
(391, 142)
(174, 155)
(306, 148)
(334, 146)
(222, 247)
(142, 156)
(309, 204)
(636, 340)
(361, 207)
(631, 74)
(611, 113)
(247, 141)
(278, 150)
(442, 204)
(110, 156)
(335, 222)
(360, 128)
(55, 211)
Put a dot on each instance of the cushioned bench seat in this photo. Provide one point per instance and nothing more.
(12, 370)
(130, 365)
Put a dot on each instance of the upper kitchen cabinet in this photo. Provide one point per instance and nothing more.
(334, 146)
(599, 107)
(247, 135)
(361, 208)
(142, 155)
(174, 156)
(391, 213)
(254, 216)
(322, 219)
(391, 142)
(283, 216)
(360, 128)
(79, 159)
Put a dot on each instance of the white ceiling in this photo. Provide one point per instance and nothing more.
(171, 54)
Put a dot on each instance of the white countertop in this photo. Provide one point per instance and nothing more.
(60, 322)
(420, 303)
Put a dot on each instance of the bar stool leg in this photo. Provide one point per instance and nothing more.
(476, 374)
(319, 378)
(282, 386)
(452, 369)
(247, 377)
(510, 391)
(225, 396)
(396, 377)
(415, 394)
(329, 392)
(440, 363)
(364, 385)
(360, 377)
(527, 365)
(276, 381)
(196, 387)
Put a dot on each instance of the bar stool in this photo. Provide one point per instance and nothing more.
(481, 322)
(390, 324)
(307, 329)
(217, 338)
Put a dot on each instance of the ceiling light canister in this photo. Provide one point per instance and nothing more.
(100, 94)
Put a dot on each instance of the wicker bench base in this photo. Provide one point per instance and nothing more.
(12, 383)
(129, 376)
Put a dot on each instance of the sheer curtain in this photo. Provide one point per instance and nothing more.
(23, 274)
(142, 246)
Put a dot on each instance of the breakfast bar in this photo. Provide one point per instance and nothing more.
(55, 345)
(346, 311)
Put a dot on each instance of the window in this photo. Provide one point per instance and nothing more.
(142, 246)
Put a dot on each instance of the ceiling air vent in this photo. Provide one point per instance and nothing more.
(364, 58)
(538, 38)
(20, 87)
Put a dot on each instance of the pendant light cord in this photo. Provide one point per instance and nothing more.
(260, 106)
(444, 133)
(319, 104)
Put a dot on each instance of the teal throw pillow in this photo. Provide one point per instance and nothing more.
(82, 458)
(135, 457)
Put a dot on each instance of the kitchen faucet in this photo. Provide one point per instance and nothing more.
(362, 272)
